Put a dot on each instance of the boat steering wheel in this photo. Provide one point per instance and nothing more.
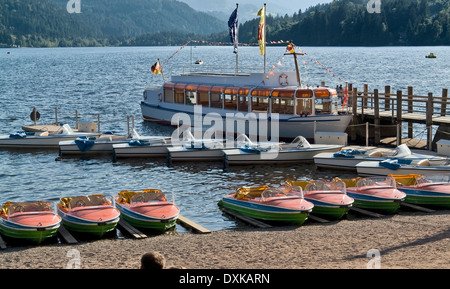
(80, 203)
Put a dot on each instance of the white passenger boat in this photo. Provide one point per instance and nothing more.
(273, 102)
(297, 151)
(400, 167)
(348, 159)
(41, 140)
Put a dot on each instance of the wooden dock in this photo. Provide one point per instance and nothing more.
(386, 113)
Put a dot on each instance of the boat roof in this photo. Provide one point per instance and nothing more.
(252, 79)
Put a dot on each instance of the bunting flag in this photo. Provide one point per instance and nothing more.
(156, 68)
(290, 47)
(345, 96)
(261, 30)
(233, 28)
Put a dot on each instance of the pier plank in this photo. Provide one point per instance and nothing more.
(131, 230)
(418, 208)
(246, 219)
(2, 243)
(185, 222)
(366, 212)
(65, 234)
(317, 219)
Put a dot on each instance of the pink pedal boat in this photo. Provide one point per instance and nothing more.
(31, 221)
(375, 193)
(148, 209)
(329, 198)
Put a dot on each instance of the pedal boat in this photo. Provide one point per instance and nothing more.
(329, 198)
(279, 205)
(269, 153)
(375, 193)
(425, 190)
(94, 214)
(29, 221)
(148, 209)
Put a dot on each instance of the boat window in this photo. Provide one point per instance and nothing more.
(147, 197)
(230, 97)
(191, 97)
(168, 92)
(323, 105)
(24, 207)
(216, 97)
(260, 104)
(179, 93)
(92, 200)
(203, 95)
(283, 93)
(304, 107)
(242, 103)
(304, 93)
(282, 105)
(168, 95)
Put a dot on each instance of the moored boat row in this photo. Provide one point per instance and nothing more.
(292, 203)
(94, 215)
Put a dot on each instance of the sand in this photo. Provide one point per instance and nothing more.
(406, 240)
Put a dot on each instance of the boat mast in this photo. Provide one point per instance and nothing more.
(237, 41)
(296, 66)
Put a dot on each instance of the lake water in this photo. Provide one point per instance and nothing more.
(110, 82)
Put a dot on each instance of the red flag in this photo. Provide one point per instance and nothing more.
(345, 96)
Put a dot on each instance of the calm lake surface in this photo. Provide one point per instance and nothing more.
(110, 82)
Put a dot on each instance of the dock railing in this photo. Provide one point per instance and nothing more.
(399, 107)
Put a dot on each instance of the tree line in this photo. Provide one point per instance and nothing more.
(169, 22)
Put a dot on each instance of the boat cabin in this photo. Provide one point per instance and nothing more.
(247, 93)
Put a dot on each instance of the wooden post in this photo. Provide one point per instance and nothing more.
(376, 116)
(365, 95)
(387, 97)
(429, 120)
(410, 110)
(399, 117)
(444, 101)
(354, 111)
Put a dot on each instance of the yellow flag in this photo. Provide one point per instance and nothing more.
(262, 30)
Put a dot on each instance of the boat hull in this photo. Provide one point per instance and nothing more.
(36, 142)
(289, 126)
(71, 148)
(329, 161)
(185, 154)
(21, 227)
(295, 216)
(89, 221)
(435, 198)
(374, 169)
(376, 201)
(330, 209)
(240, 157)
(129, 151)
(154, 217)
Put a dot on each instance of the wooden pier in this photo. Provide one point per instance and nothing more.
(382, 114)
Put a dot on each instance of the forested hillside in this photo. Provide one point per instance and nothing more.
(36, 23)
(348, 22)
(101, 22)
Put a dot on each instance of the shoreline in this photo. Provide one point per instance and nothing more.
(407, 240)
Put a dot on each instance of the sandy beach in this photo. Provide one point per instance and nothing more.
(406, 240)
